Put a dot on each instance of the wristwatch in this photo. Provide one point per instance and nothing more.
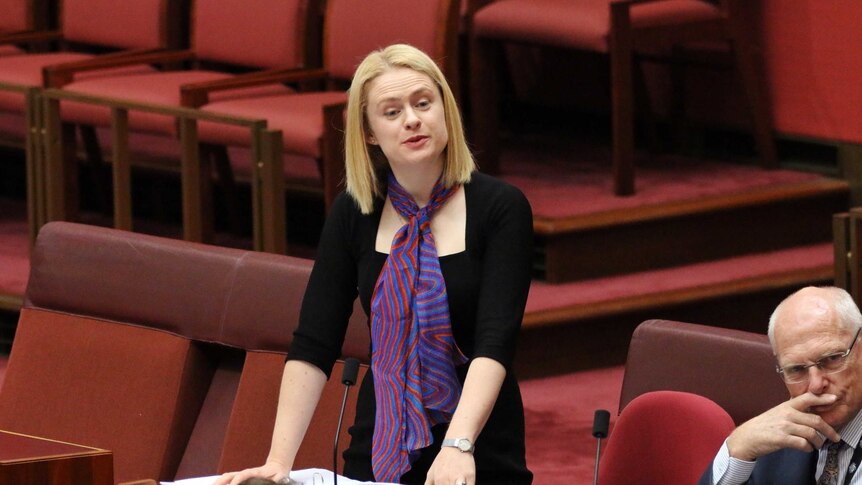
(463, 444)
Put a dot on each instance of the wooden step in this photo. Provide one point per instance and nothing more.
(689, 229)
(588, 324)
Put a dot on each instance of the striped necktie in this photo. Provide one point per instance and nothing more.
(413, 352)
(830, 469)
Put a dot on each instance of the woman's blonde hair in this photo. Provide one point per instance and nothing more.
(365, 165)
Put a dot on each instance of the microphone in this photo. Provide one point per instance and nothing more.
(348, 378)
(600, 430)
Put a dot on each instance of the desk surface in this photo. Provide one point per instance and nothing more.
(16, 447)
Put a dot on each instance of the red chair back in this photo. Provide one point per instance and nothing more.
(272, 33)
(664, 437)
(128, 25)
(356, 27)
(734, 368)
(16, 15)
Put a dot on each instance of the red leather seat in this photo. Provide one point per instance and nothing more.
(167, 353)
(664, 437)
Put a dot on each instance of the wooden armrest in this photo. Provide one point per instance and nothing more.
(30, 36)
(195, 95)
(59, 75)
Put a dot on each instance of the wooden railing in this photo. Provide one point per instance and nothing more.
(267, 181)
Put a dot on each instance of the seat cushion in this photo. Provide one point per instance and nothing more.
(582, 24)
(157, 88)
(132, 390)
(299, 117)
(26, 70)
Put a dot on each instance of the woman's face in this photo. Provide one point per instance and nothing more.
(406, 118)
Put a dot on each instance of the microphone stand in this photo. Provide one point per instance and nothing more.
(348, 378)
(601, 420)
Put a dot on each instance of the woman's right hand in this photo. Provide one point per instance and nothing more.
(272, 471)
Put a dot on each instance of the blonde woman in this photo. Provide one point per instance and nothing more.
(440, 258)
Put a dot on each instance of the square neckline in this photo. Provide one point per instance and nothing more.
(379, 215)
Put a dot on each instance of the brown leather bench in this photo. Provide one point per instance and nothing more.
(165, 352)
(736, 369)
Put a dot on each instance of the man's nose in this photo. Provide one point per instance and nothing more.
(816, 380)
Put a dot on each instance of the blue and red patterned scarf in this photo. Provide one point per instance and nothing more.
(414, 354)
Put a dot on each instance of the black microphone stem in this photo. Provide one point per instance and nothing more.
(348, 378)
(337, 433)
(598, 452)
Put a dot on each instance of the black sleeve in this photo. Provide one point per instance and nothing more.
(331, 291)
(506, 274)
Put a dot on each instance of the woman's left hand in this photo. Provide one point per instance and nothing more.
(452, 467)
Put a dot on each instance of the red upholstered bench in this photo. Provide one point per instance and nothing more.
(736, 369)
(165, 352)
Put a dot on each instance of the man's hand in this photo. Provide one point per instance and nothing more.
(788, 425)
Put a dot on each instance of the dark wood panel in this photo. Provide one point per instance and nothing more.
(28, 460)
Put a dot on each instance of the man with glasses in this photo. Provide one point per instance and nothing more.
(815, 434)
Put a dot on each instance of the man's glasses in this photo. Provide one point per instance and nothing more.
(828, 364)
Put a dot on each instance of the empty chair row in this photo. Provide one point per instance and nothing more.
(250, 70)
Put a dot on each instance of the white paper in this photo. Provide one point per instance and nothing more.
(310, 476)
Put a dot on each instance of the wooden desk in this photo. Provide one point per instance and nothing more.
(28, 460)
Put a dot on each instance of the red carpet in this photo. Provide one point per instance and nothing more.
(559, 416)
(574, 178)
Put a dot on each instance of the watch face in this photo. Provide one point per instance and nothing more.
(464, 445)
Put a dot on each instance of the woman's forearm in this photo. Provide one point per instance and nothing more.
(481, 388)
(301, 386)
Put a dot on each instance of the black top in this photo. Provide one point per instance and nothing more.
(487, 286)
